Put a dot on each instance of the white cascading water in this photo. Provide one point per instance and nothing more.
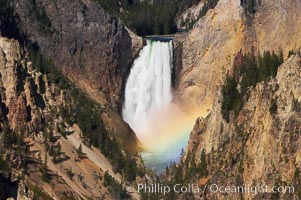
(148, 88)
(159, 124)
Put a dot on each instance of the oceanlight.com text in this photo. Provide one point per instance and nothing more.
(212, 188)
(254, 190)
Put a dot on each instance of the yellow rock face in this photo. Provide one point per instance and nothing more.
(209, 48)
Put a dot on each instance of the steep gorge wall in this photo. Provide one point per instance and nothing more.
(87, 45)
(40, 134)
(26, 102)
(262, 145)
(259, 147)
(91, 48)
(208, 50)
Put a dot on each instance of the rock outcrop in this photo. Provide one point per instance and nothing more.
(90, 47)
(208, 50)
(259, 147)
(40, 141)
(189, 16)
(20, 102)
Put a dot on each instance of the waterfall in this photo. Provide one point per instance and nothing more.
(159, 124)
(148, 88)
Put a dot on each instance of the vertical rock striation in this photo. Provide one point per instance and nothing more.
(262, 145)
(23, 111)
(90, 47)
(40, 136)
(208, 50)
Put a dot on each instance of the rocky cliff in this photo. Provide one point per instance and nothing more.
(208, 50)
(259, 147)
(46, 150)
(60, 142)
(89, 46)
(21, 102)
(189, 16)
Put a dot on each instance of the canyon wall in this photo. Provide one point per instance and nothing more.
(90, 47)
(208, 50)
(46, 152)
(62, 75)
(259, 147)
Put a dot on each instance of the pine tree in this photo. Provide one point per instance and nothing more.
(203, 164)
(80, 150)
(45, 175)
